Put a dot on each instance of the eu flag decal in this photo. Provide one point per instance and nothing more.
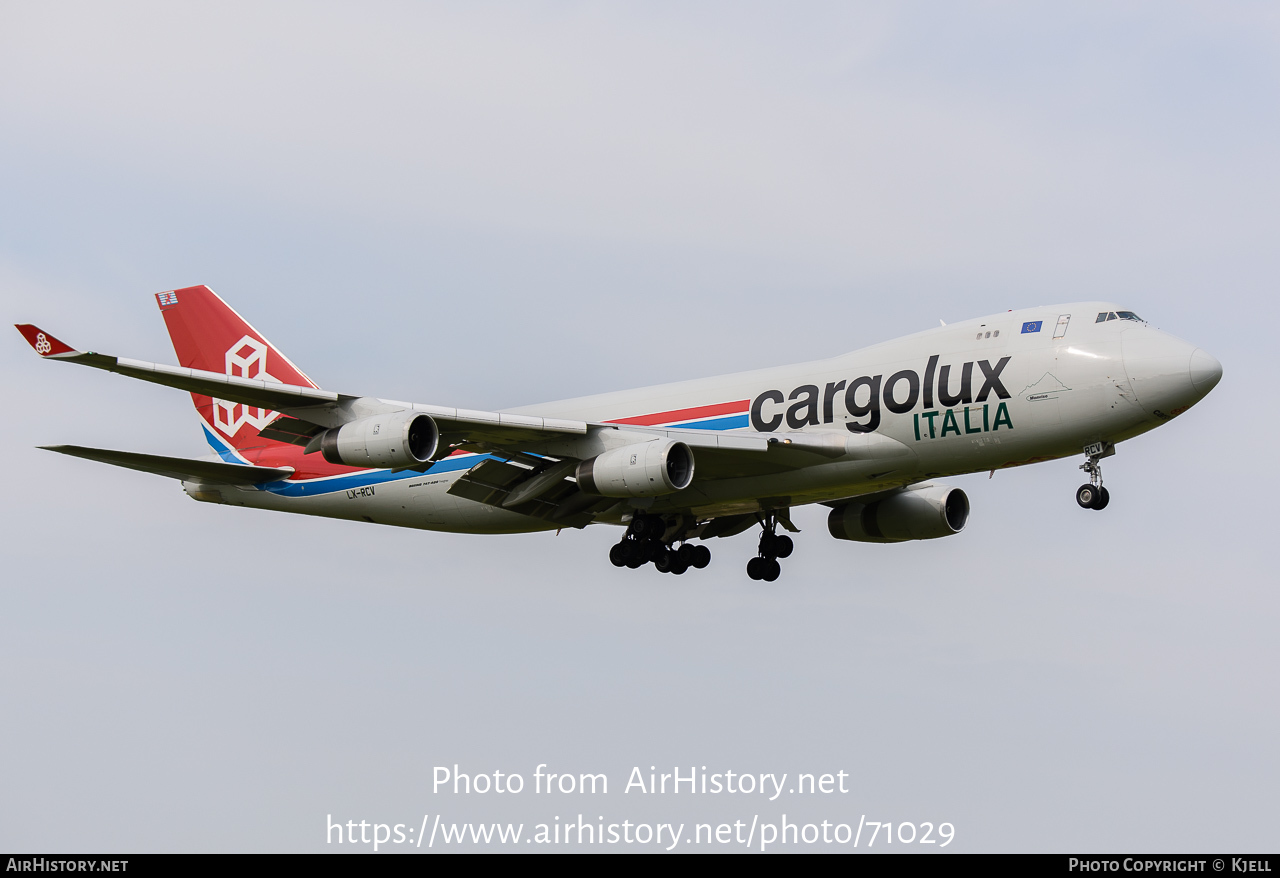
(1034, 326)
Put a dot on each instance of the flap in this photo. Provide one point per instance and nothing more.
(543, 492)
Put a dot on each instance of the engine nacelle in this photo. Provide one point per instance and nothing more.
(645, 469)
(398, 439)
(924, 513)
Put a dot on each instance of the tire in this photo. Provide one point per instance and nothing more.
(1087, 496)
(663, 559)
(754, 568)
(677, 566)
(637, 554)
(772, 570)
(767, 543)
(783, 546)
(1104, 497)
(648, 527)
(618, 556)
(685, 554)
(701, 557)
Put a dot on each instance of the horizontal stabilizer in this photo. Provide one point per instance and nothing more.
(179, 467)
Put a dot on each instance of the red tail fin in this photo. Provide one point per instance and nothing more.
(207, 334)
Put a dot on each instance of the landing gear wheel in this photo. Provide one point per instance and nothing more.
(1093, 495)
(773, 546)
(618, 555)
(783, 546)
(647, 526)
(637, 554)
(677, 566)
(1088, 496)
(768, 543)
(664, 560)
(701, 557)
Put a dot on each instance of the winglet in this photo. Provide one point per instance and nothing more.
(45, 344)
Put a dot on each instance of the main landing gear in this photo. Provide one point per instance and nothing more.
(1094, 495)
(773, 546)
(643, 543)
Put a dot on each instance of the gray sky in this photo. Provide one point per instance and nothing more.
(492, 206)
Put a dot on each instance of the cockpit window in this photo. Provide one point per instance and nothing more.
(1104, 316)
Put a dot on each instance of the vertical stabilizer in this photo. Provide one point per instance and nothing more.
(208, 334)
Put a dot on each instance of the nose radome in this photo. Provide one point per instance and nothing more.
(1205, 371)
(1160, 370)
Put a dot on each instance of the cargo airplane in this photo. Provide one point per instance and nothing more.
(866, 433)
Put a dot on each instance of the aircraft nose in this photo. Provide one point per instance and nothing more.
(1167, 374)
(1205, 371)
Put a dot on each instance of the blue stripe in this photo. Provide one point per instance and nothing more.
(332, 484)
(364, 478)
(221, 448)
(732, 422)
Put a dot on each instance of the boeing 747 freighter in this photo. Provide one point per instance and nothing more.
(868, 434)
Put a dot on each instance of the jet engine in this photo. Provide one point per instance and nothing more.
(645, 469)
(396, 440)
(923, 513)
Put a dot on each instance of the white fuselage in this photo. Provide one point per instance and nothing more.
(979, 395)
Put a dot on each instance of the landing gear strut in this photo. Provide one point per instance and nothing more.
(643, 543)
(773, 546)
(1094, 495)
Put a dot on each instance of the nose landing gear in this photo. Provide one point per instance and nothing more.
(1094, 495)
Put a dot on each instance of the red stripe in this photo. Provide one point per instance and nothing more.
(702, 411)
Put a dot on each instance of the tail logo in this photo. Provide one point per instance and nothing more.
(247, 358)
(42, 344)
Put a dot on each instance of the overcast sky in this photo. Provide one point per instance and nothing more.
(489, 206)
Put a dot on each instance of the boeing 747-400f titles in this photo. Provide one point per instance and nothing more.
(864, 433)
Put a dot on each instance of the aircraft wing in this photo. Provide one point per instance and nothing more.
(528, 483)
(738, 455)
(827, 443)
(179, 467)
(315, 408)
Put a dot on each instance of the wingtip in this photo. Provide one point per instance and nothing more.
(42, 342)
